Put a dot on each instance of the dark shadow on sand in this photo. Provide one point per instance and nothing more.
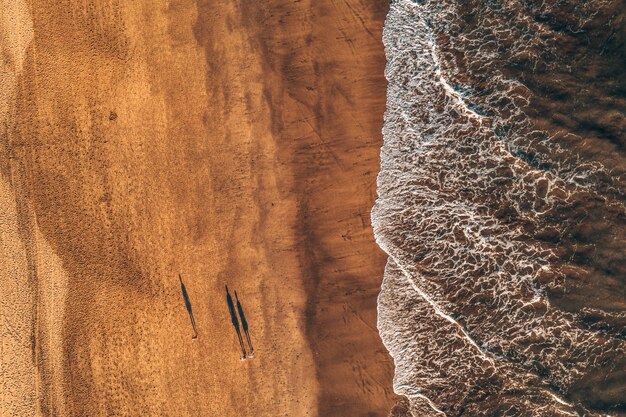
(244, 324)
(233, 317)
(188, 305)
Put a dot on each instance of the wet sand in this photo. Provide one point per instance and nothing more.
(235, 144)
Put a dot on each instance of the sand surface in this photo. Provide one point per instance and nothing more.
(235, 143)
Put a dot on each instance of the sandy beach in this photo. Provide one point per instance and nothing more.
(231, 143)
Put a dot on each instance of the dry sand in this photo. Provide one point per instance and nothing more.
(234, 143)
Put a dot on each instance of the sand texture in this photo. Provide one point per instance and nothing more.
(235, 143)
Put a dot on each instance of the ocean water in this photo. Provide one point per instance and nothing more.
(501, 206)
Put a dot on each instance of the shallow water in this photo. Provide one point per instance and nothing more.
(501, 206)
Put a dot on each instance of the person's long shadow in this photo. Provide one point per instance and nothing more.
(188, 305)
(233, 317)
(244, 324)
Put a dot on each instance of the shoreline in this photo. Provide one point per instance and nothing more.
(340, 255)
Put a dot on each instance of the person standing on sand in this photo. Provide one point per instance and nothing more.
(233, 317)
(244, 324)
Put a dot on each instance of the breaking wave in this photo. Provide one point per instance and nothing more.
(501, 207)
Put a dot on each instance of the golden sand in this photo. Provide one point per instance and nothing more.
(234, 143)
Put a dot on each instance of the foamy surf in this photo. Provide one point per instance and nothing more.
(480, 304)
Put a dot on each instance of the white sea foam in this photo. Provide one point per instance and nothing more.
(463, 308)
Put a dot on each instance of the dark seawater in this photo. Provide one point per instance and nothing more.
(502, 197)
